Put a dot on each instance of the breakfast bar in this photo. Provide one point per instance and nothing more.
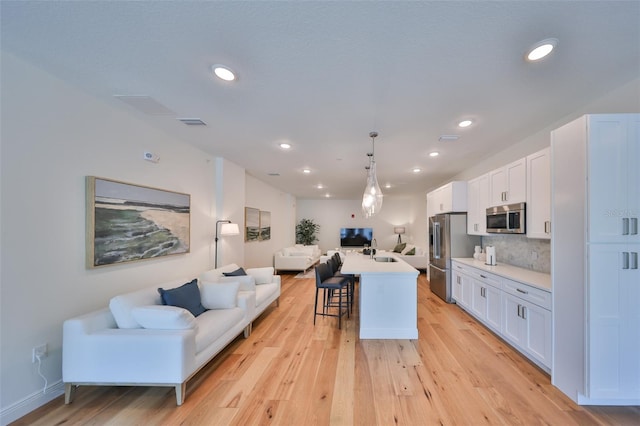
(388, 295)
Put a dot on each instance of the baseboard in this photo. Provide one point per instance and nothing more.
(30, 403)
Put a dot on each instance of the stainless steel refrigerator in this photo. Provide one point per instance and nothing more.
(447, 239)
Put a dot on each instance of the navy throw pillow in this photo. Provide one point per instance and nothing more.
(237, 273)
(186, 296)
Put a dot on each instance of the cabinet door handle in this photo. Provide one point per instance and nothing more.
(482, 276)
(547, 227)
(634, 226)
(524, 312)
(483, 292)
(519, 310)
(625, 260)
(522, 291)
(625, 226)
(634, 260)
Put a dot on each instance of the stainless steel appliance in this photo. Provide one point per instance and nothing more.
(447, 239)
(509, 219)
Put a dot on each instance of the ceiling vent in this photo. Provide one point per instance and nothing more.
(192, 121)
(448, 138)
(146, 104)
(273, 174)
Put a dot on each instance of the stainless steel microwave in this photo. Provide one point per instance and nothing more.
(509, 219)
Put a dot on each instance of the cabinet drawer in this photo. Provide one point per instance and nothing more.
(534, 295)
(487, 278)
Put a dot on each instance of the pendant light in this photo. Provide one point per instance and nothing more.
(372, 197)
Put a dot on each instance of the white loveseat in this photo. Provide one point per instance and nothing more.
(139, 341)
(296, 258)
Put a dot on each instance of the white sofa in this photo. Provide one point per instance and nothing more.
(296, 258)
(419, 260)
(139, 341)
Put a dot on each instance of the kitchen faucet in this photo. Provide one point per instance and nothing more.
(374, 245)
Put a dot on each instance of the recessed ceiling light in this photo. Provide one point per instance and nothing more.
(285, 145)
(417, 170)
(223, 72)
(541, 49)
(327, 195)
(465, 123)
(388, 186)
(319, 186)
(306, 171)
(434, 154)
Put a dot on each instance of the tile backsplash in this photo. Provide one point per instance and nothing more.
(518, 250)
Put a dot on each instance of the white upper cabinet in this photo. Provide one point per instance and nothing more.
(539, 194)
(451, 197)
(508, 184)
(477, 204)
(614, 180)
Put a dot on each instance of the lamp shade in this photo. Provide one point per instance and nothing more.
(398, 230)
(229, 229)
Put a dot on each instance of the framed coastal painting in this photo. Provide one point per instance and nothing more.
(252, 224)
(128, 222)
(265, 225)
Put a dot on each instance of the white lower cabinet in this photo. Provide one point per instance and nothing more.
(528, 326)
(517, 312)
(485, 300)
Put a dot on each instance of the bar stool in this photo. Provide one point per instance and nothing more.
(331, 285)
(335, 263)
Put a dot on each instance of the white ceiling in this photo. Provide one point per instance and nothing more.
(322, 75)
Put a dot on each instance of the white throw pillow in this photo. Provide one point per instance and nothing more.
(219, 295)
(261, 275)
(161, 317)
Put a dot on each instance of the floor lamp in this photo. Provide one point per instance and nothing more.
(227, 228)
(398, 230)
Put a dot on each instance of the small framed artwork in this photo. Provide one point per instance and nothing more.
(252, 224)
(127, 222)
(265, 225)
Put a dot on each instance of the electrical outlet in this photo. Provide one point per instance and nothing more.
(38, 351)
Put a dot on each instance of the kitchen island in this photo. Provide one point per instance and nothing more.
(388, 298)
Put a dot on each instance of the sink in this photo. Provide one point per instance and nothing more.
(385, 259)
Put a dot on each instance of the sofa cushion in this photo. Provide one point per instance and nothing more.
(399, 247)
(261, 275)
(122, 305)
(219, 295)
(186, 296)
(163, 317)
(264, 291)
(214, 323)
(237, 273)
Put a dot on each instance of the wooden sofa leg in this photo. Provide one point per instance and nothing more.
(278, 302)
(69, 392)
(181, 390)
(247, 330)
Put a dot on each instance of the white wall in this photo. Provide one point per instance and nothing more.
(331, 215)
(52, 137)
(282, 206)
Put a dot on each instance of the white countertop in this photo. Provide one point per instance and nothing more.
(355, 263)
(526, 276)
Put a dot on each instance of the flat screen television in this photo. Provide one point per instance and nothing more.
(355, 237)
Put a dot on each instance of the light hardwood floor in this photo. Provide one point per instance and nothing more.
(289, 372)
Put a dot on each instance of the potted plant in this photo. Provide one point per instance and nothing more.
(306, 232)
